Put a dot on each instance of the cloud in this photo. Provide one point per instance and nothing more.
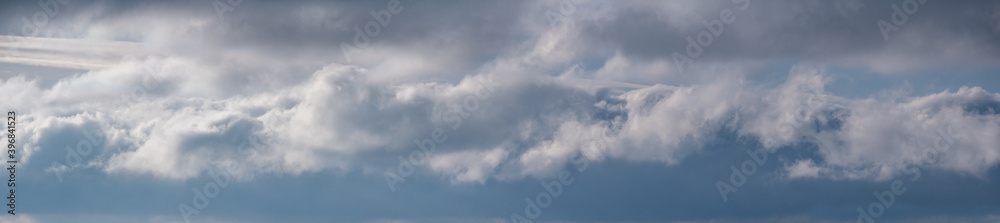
(879, 139)
(803, 169)
(68, 53)
(165, 93)
(468, 166)
(340, 117)
(19, 218)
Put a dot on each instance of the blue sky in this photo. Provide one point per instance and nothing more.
(504, 111)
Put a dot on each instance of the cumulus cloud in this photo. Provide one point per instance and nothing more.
(468, 166)
(338, 119)
(879, 139)
(214, 85)
(529, 126)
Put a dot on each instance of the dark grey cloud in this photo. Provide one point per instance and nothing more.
(809, 31)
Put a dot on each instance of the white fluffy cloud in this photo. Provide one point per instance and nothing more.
(530, 126)
(182, 113)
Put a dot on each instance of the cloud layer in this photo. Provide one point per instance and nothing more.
(502, 91)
